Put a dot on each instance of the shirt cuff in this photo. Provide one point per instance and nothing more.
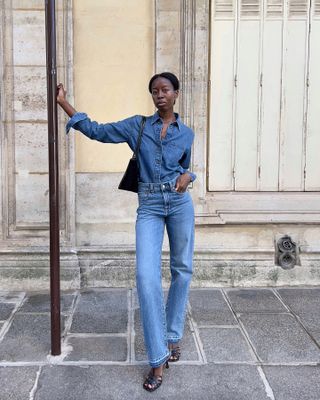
(79, 116)
(192, 176)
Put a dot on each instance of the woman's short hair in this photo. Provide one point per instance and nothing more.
(168, 75)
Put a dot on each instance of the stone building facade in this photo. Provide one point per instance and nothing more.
(248, 108)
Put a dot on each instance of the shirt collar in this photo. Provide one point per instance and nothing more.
(156, 117)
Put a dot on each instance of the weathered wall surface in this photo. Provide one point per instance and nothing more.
(24, 154)
(106, 64)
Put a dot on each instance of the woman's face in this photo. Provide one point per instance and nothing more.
(163, 94)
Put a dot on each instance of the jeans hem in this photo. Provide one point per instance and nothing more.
(174, 340)
(158, 362)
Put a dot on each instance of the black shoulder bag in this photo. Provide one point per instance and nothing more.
(130, 178)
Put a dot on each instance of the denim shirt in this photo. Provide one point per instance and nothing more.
(160, 160)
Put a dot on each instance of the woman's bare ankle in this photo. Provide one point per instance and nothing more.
(158, 371)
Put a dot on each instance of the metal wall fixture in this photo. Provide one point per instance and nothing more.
(286, 252)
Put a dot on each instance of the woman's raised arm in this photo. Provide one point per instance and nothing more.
(112, 132)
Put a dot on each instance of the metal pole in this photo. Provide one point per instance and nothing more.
(53, 177)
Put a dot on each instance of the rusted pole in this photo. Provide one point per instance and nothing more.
(53, 176)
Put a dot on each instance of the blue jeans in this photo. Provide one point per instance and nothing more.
(159, 206)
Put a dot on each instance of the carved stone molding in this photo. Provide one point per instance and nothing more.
(23, 124)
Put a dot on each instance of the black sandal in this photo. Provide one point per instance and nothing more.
(175, 354)
(152, 381)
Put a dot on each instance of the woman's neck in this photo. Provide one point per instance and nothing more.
(167, 116)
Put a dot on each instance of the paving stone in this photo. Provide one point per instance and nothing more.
(301, 299)
(205, 382)
(280, 338)
(97, 349)
(6, 310)
(188, 346)
(11, 297)
(294, 383)
(254, 300)
(224, 345)
(135, 300)
(28, 338)
(101, 311)
(40, 303)
(17, 382)
(316, 336)
(210, 308)
(310, 319)
(139, 348)
(305, 303)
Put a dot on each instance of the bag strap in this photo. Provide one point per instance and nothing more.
(143, 122)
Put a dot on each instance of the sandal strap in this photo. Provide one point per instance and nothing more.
(175, 354)
(176, 350)
(154, 381)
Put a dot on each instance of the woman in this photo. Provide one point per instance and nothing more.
(164, 201)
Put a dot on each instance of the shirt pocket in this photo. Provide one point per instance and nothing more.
(174, 153)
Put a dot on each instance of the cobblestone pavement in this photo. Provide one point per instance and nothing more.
(239, 344)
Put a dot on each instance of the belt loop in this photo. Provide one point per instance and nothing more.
(173, 183)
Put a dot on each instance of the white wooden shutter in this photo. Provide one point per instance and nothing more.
(223, 57)
(291, 168)
(312, 168)
(270, 96)
(264, 116)
(247, 112)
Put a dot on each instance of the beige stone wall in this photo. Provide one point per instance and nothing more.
(117, 47)
(113, 62)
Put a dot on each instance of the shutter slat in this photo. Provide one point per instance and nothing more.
(250, 8)
(224, 8)
(221, 108)
(317, 8)
(298, 8)
(274, 8)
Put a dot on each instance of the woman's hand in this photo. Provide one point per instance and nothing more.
(183, 182)
(61, 94)
(63, 102)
